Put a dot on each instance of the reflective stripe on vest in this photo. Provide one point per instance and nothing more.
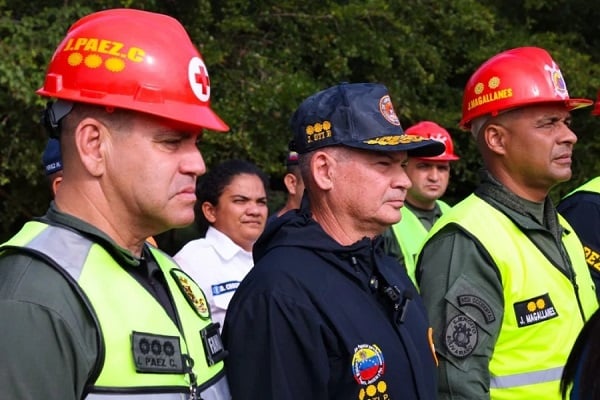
(122, 306)
(525, 362)
(217, 391)
(410, 235)
(527, 378)
(164, 396)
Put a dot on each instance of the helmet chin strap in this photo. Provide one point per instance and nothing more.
(52, 114)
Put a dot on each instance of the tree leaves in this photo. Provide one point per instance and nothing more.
(265, 57)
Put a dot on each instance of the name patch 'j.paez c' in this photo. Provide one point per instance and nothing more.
(156, 353)
(534, 310)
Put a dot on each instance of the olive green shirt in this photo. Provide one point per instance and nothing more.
(454, 263)
(427, 217)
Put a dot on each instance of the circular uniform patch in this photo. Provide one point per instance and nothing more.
(367, 363)
(387, 110)
(461, 336)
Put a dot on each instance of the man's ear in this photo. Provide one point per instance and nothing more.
(322, 165)
(55, 183)
(290, 181)
(495, 137)
(209, 212)
(90, 140)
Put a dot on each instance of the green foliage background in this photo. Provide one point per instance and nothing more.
(265, 57)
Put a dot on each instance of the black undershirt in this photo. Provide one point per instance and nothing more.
(149, 275)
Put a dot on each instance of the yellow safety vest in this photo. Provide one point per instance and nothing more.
(592, 185)
(410, 234)
(541, 305)
(142, 351)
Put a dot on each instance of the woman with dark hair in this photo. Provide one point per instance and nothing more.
(580, 375)
(231, 209)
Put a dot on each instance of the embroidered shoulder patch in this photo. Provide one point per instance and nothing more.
(478, 303)
(461, 336)
(192, 292)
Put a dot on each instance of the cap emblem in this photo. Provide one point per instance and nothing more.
(387, 110)
(198, 78)
(558, 82)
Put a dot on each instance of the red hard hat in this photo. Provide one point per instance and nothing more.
(136, 60)
(515, 78)
(431, 130)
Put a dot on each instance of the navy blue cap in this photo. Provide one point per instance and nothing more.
(358, 115)
(51, 159)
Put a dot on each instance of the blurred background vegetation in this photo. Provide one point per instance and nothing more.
(266, 56)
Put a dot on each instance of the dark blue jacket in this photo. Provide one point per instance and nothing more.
(308, 322)
(582, 211)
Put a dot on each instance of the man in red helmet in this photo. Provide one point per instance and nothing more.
(430, 177)
(501, 274)
(87, 308)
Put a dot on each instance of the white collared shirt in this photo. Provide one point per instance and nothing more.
(218, 265)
